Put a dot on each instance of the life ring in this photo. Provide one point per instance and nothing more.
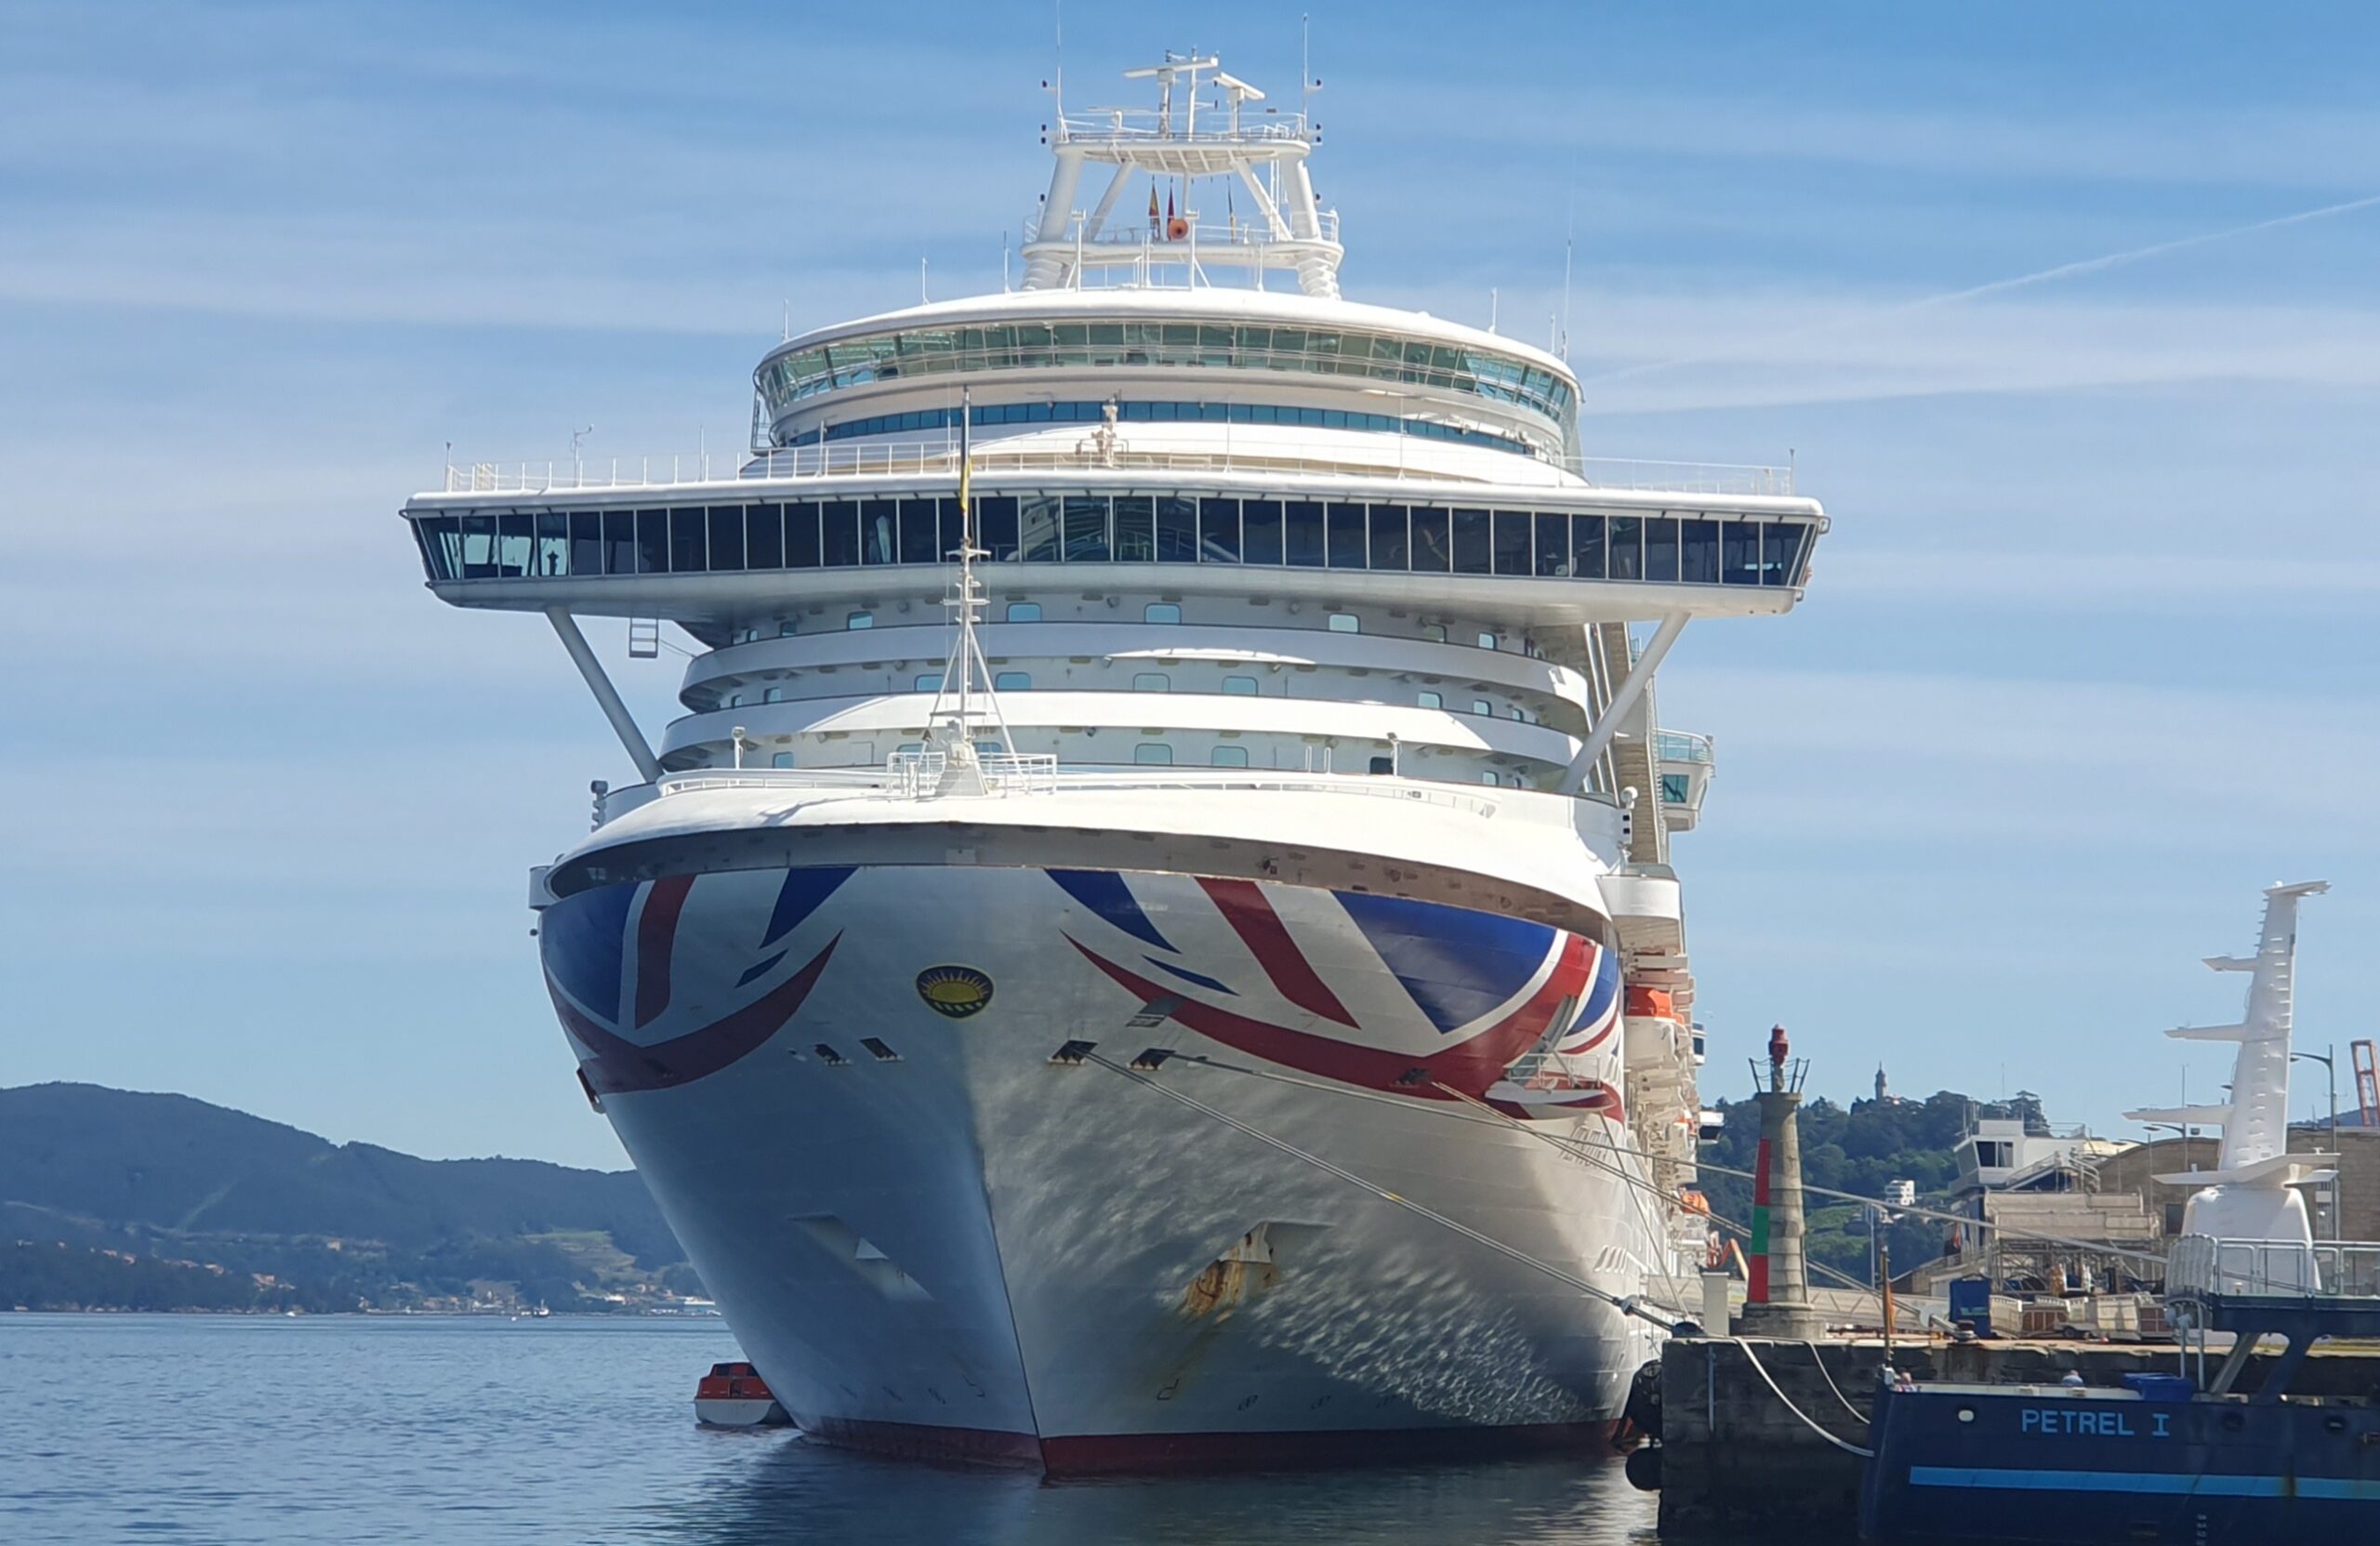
(1176, 229)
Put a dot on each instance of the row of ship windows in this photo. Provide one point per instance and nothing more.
(1155, 611)
(1147, 753)
(1143, 682)
(1098, 528)
(790, 377)
(1157, 413)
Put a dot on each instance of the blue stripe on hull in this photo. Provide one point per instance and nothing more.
(2324, 1487)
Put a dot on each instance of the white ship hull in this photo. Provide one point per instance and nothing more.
(952, 1245)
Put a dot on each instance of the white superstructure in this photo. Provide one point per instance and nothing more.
(1248, 1002)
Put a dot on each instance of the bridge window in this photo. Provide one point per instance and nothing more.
(996, 527)
(1259, 522)
(879, 537)
(1228, 757)
(1219, 530)
(1586, 547)
(1302, 528)
(552, 553)
(1553, 546)
(1345, 525)
(1512, 542)
(1086, 517)
(1624, 547)
(839, 533)
(1698, 560)
(1430, 700)
(930, 681)
(858, 620)
(802, 535)
(1153, 752)
(1152, 682)
(619, 542)
(920, 531)
(1383, 765)
(1741, 564)
(1781, 549)
(1346, 622)
(735, 700)
(1388, 541)
(652, 541)
(587, 542)
(727, 524)
(1161, 612)
(1473, 546)
(765, 536)
(1011, 681)
(1660, 547)
(1135, 528)
(1036, 528)
(1240, 687)
(1177, 530)
(687, 530)
(1024, 612)
(1433, 546)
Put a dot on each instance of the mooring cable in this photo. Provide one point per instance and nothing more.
(1757, 1367)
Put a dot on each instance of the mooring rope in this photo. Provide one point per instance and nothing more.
(1809, 1421)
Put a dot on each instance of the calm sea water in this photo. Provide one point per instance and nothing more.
(190, 1428)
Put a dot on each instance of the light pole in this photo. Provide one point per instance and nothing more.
(2331, 1076)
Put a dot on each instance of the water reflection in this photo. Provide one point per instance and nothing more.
(789, 1489)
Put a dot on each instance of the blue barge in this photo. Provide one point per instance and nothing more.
(2168, 1458)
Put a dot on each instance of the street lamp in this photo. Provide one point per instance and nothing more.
(2331, 1075)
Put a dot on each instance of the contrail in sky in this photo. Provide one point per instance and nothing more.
(2087, 265)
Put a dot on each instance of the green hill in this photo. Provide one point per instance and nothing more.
(147, 1181)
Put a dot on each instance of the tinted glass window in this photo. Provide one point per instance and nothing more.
(1152, 682)
(619, 542)
(1430, 700)
(1472, 549)
(1161, 612)
(1781, 549)
(1086, 528)
(1011, 681)
(1554, 545)
(1228, 757)
(1261, 530)
(839, 533)
(920, 531)
(512, 543)
(652, 542)
(879, 540)
(1153, 752)
(1219, 530)
(1389, 551)
(1345, 523)
(1177, 531)
(1698, 555)
(1660, 547)
(947, 532)
(479, 547)
(688, 542)
(1024, 612)
(861, 620)
(552, 556)
(1433, 546)
(1135, 528)
(1512, 542)
(726, 536)
(1302, 532)
(1036, 526)
(1626, 554)
(1742, 559)
(1240, 687)
(765, 536)
(996, 526)
(1346, 622)
(802, 535)
(1586, 547)
(781, 760)
(930, 681)
(442, 546)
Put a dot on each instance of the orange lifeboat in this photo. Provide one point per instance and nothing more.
(1655, 1002)
(734, 1395)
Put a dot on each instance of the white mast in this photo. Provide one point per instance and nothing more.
(2247, 1195)
(953, 734)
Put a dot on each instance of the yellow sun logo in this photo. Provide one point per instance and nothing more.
(956, 991)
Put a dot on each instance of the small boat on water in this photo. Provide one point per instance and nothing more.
(734, 1395)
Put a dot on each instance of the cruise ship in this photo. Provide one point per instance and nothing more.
(1152, 941)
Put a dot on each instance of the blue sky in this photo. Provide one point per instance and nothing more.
(2090, 656)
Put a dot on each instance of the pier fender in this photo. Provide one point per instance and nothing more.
(1644, 1410)
(1644, 1468)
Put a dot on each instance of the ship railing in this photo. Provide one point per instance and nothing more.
(1147, 125)
(2201, 1265)
(1125, 235)
(1681, 745)
(940, 459)
(908, 776)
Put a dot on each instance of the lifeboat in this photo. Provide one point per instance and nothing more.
(734, 1395)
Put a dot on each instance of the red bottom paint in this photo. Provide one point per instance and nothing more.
(1099, 1454)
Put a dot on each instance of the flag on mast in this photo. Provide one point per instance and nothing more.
(1154, 215)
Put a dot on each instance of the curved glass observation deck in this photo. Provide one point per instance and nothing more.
(1699, 547)
(802, 370)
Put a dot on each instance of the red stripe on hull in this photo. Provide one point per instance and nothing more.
(1111, 1454)
(656, 938)
(1260, 928)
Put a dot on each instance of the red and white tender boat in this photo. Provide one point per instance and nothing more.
(734, 1395)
